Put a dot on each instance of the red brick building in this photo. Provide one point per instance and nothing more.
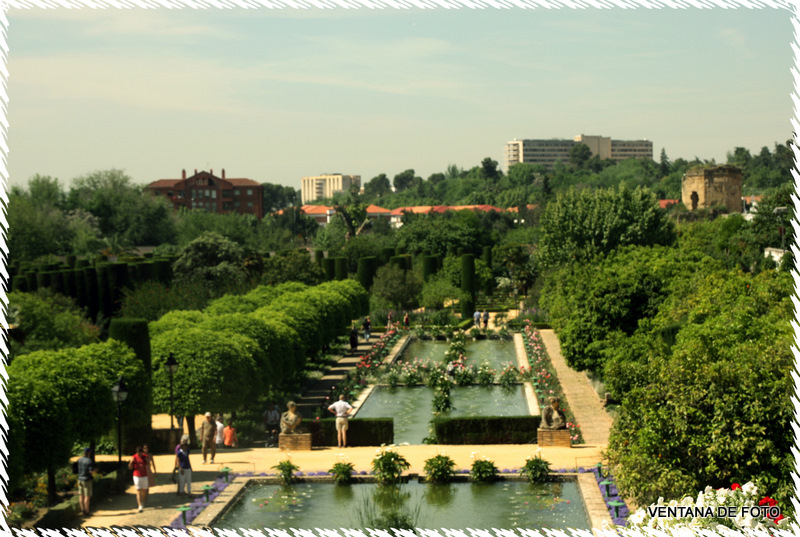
(204, 190)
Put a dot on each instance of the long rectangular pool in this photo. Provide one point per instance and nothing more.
(506, 504)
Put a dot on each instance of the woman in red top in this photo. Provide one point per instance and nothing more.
(139, 464)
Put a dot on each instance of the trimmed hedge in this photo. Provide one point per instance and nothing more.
(486, 430)
(361, 432)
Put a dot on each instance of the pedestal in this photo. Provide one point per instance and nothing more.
(553, 438)
(295, 442)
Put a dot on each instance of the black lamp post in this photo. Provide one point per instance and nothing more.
(172, 367)
(119, 392)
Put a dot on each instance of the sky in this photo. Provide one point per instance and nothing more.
(275, 95)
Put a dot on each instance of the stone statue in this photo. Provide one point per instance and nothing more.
(553, 417)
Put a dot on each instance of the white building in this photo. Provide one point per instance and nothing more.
(326, 185)
(548, 152)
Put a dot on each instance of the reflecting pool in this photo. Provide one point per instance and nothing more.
(412, 408)
(505, 504)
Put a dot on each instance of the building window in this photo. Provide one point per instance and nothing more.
(213, 194)
(237, 204)
(236, 192)
(249, 191)
(250, 204)
(208, 193)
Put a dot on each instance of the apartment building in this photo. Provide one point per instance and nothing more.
(326, 185)
(204, 190)
(548, 152)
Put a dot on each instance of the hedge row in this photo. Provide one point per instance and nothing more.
(96, 286)
(360, 432)
(486, 430)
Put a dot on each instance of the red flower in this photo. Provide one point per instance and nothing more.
(736, 486)
(768, 501)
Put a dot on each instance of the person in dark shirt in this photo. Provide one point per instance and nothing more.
(85, 478)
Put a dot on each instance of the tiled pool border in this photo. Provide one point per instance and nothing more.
(593, 502)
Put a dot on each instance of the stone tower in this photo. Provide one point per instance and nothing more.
(719, 185)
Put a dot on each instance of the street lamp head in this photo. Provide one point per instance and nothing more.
(778, 210)
(172, 364)
(120, 391)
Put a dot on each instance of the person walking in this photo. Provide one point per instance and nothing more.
(485, 319)
(367, 326)
(208, 433)
(231, 439)
(476, 319)
(406, 321)
(85, 472)
(218, 440)
(184, 468)
(341, 409)
(139, 464)
(353, 338)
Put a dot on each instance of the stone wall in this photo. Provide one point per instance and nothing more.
(705, 187)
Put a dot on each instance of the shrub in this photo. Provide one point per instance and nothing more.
(536, 469)
(484, 375)
(483, 470)
(342, 472)
(388, 466)
(439, 469)
(286, 470)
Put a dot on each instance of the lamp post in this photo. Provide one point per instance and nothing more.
(172, 367)
(119, 392)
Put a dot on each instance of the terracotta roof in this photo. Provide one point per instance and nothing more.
(163, 183)
(372, 209)
(666, 203)
(315, 209)
(751, 199)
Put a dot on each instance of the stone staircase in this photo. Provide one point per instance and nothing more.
(315, 396)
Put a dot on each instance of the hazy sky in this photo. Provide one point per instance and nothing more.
(275, 95)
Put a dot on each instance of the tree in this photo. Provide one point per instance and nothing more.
(438, 291)
(400, 288)
(215, 373)
(581, 224)
(62, 397)
(291, 265)
(664, 163)
(48, 321)
(579, 155)
(404, 180)
(489, 170)
(213, 261)
(277, 197)
(122, 208)
(378, 186)
(697, 417)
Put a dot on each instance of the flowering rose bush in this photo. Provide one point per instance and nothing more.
(739, 508)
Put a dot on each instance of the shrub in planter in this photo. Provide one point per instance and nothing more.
(286, 470)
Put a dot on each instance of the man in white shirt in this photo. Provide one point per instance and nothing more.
(341, 409)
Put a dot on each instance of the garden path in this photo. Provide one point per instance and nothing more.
(582, 398)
